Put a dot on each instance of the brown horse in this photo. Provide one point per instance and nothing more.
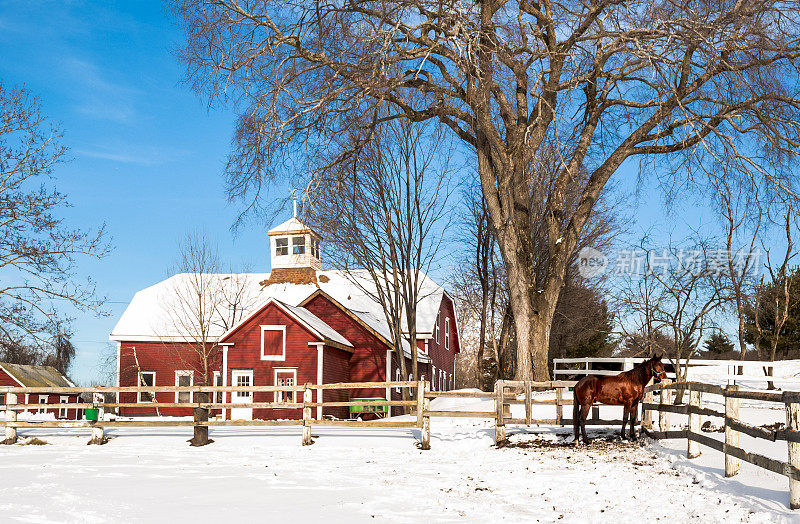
(625, 389)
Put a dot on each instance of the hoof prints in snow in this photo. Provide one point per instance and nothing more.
(359, 476)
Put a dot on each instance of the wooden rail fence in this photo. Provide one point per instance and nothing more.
(730, 446)
(505, 394)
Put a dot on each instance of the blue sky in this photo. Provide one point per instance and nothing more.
(147, 153)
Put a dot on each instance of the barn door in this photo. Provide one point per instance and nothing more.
(242, 378)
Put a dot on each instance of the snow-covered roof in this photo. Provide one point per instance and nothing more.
(159, 313)
(292, 225)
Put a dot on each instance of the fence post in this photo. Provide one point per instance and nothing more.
(793, 423)
(307, 416)
(528, 403)
(11, 416)
(499, 423)
(647, 414)
(560, 406)
(663, 416)
(420, 402)
(200, 437)
(98, 436)
(731, 436)
(692, 446)
(425, 440)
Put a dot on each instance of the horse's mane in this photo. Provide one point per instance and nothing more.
(638, 369)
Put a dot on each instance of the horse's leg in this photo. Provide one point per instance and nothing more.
(624, 420)
(634, 409)
(585, 413)
(576, 407)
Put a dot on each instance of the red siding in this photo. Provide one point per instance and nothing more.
(164, 358)
(336, 368)
(368, 362)
(245, 354)
(441, 358)
(6, 380)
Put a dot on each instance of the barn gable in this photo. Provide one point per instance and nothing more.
(301, 316)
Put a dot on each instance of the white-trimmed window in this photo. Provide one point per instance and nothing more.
(42, 400)
(315, 248)
(298, 245)
(273, 342)
(62, 412)
(447, 333)
(184, 378)
(397, 379)
(217, 381)
(436, 329)
(242, 378)
(281, 246)
(147, 378)
(433, 376)
(2, 399)
(285, 377)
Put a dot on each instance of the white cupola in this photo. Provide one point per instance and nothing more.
(294, 245)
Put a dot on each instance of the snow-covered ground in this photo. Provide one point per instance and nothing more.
(365, 474)
(355, 475)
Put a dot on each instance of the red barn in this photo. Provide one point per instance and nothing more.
(18, 375)
(296, 325)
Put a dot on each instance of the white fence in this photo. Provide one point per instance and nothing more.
(575, 368)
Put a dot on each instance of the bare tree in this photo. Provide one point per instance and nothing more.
(742, 204)
(385, 212)
(479, 287)
(781, 285)
(202, 304)
(38, 252)
(667, 82)
(677, 294)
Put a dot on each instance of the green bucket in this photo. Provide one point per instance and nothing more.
(92, 414)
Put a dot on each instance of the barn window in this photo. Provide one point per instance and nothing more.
(285, 377)
(298, 245)
(2, 399)
(281, 246)
(217, 381)
(447, 333)
(183, 379)
(42, 400)
(436, 329)
(397, 379)
(62, 412)
(242, 379)
(147, 378)
(315, 248)
(433, 377)
(273, 342)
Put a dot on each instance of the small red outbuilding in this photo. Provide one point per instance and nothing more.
(27, 376)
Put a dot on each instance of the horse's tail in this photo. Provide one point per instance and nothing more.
(576, 407)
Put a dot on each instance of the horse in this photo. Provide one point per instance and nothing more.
(625, 389)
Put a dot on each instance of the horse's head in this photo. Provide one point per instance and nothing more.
(657, 369)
